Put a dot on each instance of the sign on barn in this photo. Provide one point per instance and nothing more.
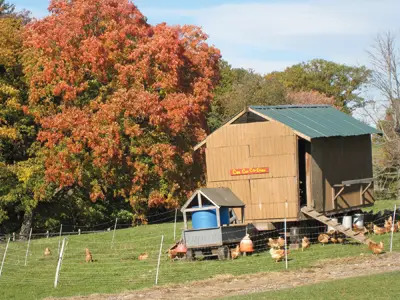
(249, 171)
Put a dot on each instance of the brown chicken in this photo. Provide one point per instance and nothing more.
(323, 238)
(340, 240)
(395, 228)
(375, 247)
(281, 242)
(332, 232)
(388, 225)
(362, 230)
(379, 230)
(88, 257)
(277, 254)
(143, 256)
(172, 253)
(305, 243)
(235, 253)
(275, 243)
(47, 252)
(334, 240)
(333, 236)
(370, 228)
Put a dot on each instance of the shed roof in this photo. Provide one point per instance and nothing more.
(222, 197)
(315, 121)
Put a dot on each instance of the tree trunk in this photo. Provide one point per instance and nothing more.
(26, 225)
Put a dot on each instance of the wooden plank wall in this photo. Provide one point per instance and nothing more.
(337, 159)
(262, 144)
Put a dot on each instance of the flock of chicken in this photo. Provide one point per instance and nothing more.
(277, 246)
(89, 257)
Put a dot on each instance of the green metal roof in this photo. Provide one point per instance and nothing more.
(316, 121)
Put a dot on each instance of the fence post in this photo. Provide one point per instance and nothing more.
(79, 231)
(286, 249)
(60, 257)
(113, 236)
(391, 236)
(13, 237)
(59, 240)
(4, 256)
(47, 234)
(159, 258)
(27, 247)
(176, 211)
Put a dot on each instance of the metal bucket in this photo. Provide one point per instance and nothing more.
(331, 228)
(347, 222)
(359, 220)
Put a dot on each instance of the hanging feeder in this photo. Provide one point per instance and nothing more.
(246, 245)
(181, 248)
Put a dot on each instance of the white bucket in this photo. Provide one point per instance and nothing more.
(331, 228)
(359, 220)
(347, 222)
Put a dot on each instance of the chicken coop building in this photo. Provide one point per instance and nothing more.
(306, 156)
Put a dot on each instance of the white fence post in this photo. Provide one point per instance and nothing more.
(113, 236)
(391, 236)
(27, 247)
(60, 257)
(47, 234)
(159, 258)
(286, 249)
(59, 240)
(79, 231)
(13, 237)
(176, 211)
(4, 256)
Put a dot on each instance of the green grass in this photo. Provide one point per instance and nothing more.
(382, 286)
(116, 270)
(382, 205)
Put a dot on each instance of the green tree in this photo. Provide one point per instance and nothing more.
(239, 88)
(340, 81)
(21, 168)
(120, 102)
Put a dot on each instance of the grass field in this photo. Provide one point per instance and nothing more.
(382, 286)
(118, 269)
(382, 205)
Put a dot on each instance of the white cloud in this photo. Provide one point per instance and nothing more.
(338, 30)
(262, 66)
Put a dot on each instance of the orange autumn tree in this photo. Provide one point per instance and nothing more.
(120, 102)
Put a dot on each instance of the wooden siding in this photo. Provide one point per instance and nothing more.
(242, 134)
(262, 144)
(335, 160)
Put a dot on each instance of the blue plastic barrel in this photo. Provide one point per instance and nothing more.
(224, 215)
(208, 218)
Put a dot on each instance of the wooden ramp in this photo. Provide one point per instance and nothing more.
(358, 236)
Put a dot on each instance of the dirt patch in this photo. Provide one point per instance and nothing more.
(229, 285)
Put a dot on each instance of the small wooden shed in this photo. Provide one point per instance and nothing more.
(213, 199)
(314, 156)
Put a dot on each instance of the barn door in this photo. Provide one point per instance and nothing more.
(304, 161)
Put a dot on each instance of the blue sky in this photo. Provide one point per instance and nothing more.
(271, 35)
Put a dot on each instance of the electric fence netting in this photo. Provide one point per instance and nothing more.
(122, 257)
